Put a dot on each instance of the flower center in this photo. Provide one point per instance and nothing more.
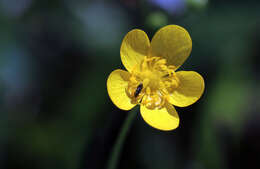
(152, 82)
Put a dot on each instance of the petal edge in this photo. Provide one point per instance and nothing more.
(134, 48)
(190, 89)
(173, 43)
(165, 119)
(116, 85)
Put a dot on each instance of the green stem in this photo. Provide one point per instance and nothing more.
(114, 157)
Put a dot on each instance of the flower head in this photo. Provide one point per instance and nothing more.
(151, 79)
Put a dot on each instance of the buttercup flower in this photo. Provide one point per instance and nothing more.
(151, 79)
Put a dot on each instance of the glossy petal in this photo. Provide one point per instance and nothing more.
(116, 86)
(163, 119)
(189, 90)
(134, 47)
(173, 43)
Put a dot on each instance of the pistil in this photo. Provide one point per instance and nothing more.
(151, 82)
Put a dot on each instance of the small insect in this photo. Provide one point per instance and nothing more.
(167, 75)
(138, 89)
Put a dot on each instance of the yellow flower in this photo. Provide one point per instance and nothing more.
(151, 79)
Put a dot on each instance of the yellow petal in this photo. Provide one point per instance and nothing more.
(163, 119)
(116, 86)
(190, 89)
(134, 48)
(173, 43)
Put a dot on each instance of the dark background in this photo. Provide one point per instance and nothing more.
(56, 55)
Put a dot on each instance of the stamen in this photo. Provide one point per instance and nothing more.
(157, 82)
